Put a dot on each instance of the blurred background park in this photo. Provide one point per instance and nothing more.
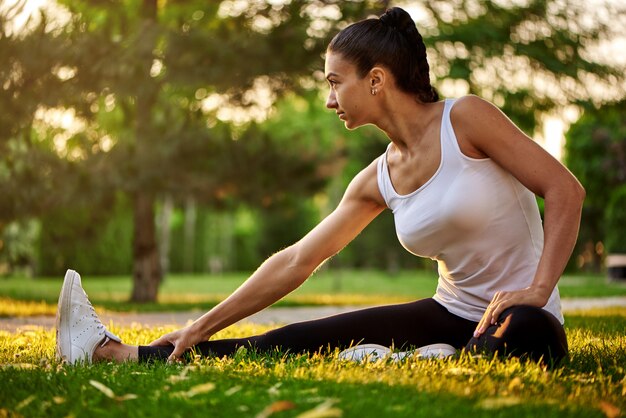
(150, 140)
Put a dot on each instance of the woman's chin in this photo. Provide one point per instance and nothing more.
(351, 125)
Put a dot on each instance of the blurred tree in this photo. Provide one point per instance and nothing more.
(595, 151)
(528, 57)
(141, 77)
(151, 83)
(27, 81)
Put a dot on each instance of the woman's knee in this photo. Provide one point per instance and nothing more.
(524, 331)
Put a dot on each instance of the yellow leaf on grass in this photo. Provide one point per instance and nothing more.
(23, 366)
(232, 390)
(102, 388)
(196, 390)
(58, 400)
(610, 410)
(500, 402)
(25, 402)
(109, 393)
(199, 389)
(274, 390)
(515, 384)
(277, 406)
(126, 397)
(175, 378)
(7, 413)
(323, 410)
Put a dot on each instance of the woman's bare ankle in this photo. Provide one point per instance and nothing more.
(117, 352)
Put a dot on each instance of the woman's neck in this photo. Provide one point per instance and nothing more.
(404, 119)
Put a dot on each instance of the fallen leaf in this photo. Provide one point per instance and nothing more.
(500, 402)
(23, 366)
(196, 390)
(277, 406)
(323, 410)
(199, 389)
(7, 413)
(109, 393)
(58, 400)
(176, 378)
(232, 390)
(102, 388)
(610, 410)
(273, 391)
(515, 384)
(126, 397)
(25, 402)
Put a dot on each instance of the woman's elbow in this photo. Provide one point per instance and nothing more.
(579, 192)
(573, 195)
(298, 261)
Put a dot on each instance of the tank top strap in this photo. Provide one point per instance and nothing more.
(384, 181)
(450, 148)
(449, 144)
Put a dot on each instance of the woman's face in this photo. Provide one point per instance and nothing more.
(349, 95)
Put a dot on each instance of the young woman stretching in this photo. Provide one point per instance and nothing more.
(461, 181)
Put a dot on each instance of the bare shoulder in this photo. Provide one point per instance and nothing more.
(480, 125)
(364, 186)
(471, 110)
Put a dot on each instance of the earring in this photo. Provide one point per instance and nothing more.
(374, 91)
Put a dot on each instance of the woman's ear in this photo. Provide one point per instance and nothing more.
(377, 78)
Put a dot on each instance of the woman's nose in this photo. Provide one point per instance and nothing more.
(331, 101)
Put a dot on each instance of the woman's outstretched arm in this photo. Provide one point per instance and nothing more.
(289, 268)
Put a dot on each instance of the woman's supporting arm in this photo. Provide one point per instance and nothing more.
(484, 131)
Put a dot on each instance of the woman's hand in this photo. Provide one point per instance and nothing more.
(502, 300)
(181, 339)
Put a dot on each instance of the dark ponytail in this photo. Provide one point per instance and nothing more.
(392, 41)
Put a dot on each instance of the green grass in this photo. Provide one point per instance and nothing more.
(331, 287)
(591, 383)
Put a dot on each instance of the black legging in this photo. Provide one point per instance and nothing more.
(520, 331)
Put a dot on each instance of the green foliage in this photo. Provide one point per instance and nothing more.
(17, 247)
(93, 238)
(615, 222)
(595, 152)
(509, 53)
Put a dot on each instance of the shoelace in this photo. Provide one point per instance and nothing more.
(95, 317)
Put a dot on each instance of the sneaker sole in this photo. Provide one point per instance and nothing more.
(63, 311)
(436, 351)
(369, 349)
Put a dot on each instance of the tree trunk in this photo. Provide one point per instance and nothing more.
(164, 232)
(189, 236)
(147, 273)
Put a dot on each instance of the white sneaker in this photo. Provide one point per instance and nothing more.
(370, 352)
(78, 328)
(374, 352)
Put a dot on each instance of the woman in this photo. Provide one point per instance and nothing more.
(461, 180)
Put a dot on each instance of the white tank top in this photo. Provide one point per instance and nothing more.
(478, 222)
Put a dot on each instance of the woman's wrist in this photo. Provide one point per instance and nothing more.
(542, 292)
(200, 330)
